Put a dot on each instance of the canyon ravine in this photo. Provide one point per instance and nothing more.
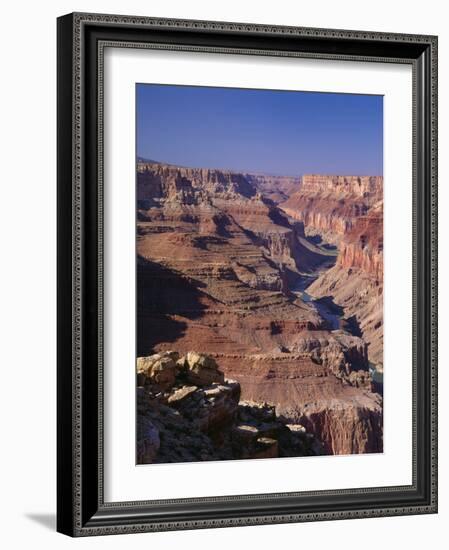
(276, 279)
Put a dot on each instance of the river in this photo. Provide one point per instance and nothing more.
(326, 308)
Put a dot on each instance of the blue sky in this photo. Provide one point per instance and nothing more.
(270, 131)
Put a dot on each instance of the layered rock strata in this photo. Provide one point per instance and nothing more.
(276, 188)
(329, 205)
(356, 280)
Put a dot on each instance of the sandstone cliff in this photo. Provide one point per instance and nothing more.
(362, 246)
(329, 205)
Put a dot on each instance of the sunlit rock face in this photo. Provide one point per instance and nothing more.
(219, 261)
(330, 205)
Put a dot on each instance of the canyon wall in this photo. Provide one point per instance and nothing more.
(276, 188)
(356, 280)
(362, 246)
(329, 205)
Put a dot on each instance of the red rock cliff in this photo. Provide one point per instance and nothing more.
(362, 246)
(329, 205)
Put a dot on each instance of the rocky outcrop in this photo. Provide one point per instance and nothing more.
(201, 369)
(316, 387)
(156, 181)
(344, 355)
(161, 369)
(186, 423)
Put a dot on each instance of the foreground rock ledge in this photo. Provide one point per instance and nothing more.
(181, 421)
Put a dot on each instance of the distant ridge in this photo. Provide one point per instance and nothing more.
(256, 173)
(149, 161)
(143, 160)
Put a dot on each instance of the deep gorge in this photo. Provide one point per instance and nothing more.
(282, 289)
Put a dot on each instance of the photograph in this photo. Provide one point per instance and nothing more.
(259, 273)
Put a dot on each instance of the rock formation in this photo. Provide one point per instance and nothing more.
(329, 205)
(276, 188)
(206, 421)
(219, 264)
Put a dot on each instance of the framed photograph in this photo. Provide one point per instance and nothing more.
(246, 274)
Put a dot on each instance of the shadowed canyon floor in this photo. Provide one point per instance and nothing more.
(278, 281)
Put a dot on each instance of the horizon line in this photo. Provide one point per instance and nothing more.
(255, 172)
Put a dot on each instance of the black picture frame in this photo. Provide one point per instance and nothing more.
(81, 509)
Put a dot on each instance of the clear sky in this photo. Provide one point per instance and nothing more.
(276, 132)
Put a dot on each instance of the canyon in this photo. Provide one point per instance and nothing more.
(348, 211)
(278, 280)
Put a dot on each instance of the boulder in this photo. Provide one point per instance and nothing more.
(144, 364)
(179, 396)
(202, 370)
(159, 370)
(361, 379)
(217, 406)
(244, 433)
(163, 372)
(181, 363)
